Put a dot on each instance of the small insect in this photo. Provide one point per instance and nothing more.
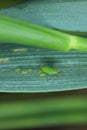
(27, 71)
(17, 70)
(47, 70)
(23, 71)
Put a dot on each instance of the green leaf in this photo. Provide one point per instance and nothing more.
(72, 65)
(68, 15)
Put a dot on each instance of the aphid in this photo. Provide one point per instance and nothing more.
(47, 70)
(17, 70)
(27, 71)
(23, 71)
(41, 73)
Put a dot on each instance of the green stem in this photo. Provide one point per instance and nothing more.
(18, 31)
(81, 44)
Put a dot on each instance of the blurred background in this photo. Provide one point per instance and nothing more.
(34, 111)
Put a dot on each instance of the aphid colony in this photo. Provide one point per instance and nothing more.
(44, 70)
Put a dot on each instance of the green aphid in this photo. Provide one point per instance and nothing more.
(41, 73)
(17, 70)
(47, 70)
(25, 72)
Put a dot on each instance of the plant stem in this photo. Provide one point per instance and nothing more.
(18, 31)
